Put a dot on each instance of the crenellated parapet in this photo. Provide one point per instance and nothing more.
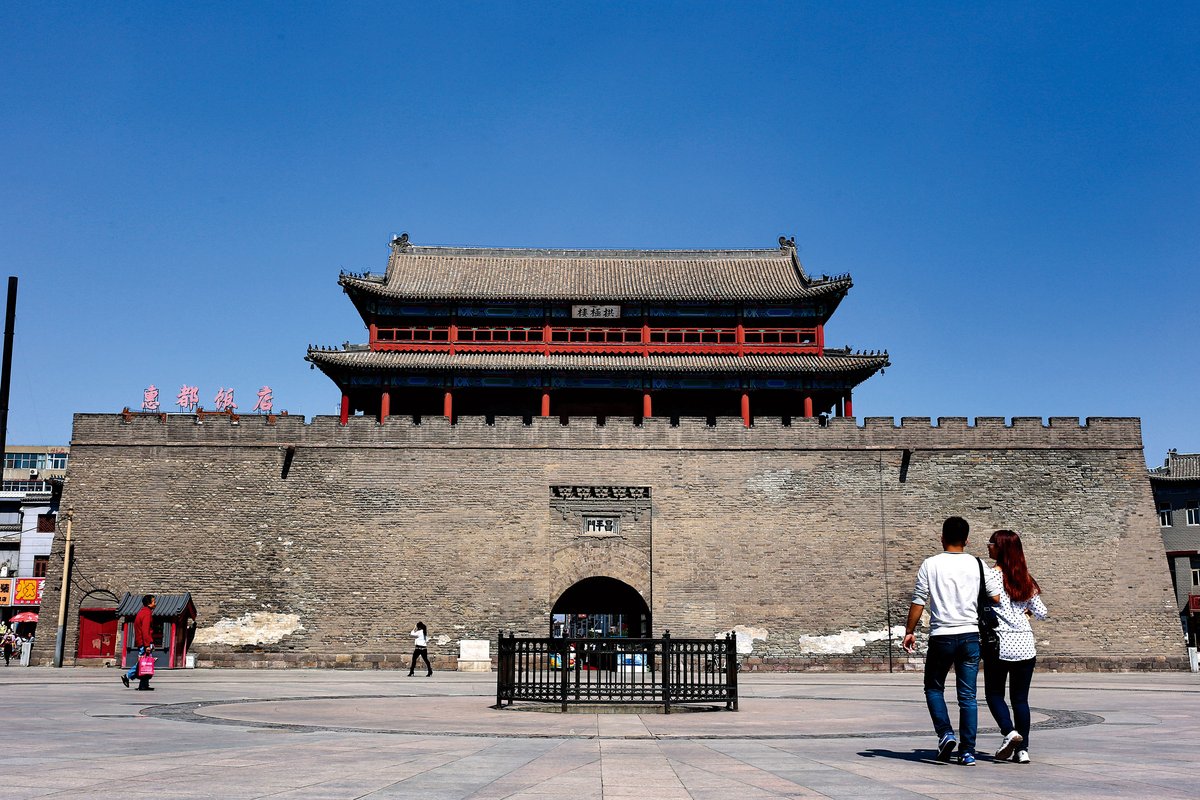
(688, 433)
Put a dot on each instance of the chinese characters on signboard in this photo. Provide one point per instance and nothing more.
(224, 400)
(595, 312)
(264, 402)
(28, 591)
(188, 399)
(6, 591)
(150, 398)
(600, 526)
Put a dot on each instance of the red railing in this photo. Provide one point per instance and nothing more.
(645, 340)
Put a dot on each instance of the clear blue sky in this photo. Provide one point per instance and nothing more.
(1015, 188)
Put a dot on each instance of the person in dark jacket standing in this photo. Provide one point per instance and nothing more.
(143, 636)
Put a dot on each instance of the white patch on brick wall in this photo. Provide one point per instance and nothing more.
(846, 642)
(770, 482)
(443, 639)
(745, 636)
(259, 627)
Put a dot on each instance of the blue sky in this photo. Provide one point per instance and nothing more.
(1014, 187)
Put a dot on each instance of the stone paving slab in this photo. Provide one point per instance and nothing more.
(77, 733)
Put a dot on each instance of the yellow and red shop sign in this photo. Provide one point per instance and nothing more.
(6, 591)
(27, 591)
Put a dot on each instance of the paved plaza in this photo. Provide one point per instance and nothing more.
(77, 733)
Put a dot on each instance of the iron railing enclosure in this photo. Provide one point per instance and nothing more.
(663, 671)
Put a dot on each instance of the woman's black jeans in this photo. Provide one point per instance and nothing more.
(1018, 674)
(423, 653)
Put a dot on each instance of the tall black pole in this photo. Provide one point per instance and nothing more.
(10, 318)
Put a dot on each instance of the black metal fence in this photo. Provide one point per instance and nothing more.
(653, 671)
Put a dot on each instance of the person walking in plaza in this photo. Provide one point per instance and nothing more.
(949, 585)
(1020, 598)
(421, 649)
(10, 641)
(143, 637)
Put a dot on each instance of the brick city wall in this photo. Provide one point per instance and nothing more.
(775, 531)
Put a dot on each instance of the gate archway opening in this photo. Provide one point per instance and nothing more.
(600, 607)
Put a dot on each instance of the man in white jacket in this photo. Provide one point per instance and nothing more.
(948, 584)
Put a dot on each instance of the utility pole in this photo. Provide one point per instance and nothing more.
(10, 318)
(61, 637)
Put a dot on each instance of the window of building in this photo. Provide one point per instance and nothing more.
(1195, 578)
(1164, 514)
(1193, 513)
(46, 523)
(25, 486)
(25, 461)
(57, 461)
(40, 563)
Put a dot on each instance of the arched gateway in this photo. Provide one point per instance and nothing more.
(600, 606)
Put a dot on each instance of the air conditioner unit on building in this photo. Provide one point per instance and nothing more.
(33, 473)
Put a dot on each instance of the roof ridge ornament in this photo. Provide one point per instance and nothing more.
(787, 244)
(401, 242)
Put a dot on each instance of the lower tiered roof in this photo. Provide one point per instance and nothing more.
(855, 366)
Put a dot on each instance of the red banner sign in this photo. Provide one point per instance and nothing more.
(1194, 603)
(28, 591)
(6, 591)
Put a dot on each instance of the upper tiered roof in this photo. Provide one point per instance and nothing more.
(493, 274)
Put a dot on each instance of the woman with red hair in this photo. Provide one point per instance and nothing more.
(1020, 599)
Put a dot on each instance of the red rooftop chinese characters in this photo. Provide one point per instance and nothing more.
(600, 333)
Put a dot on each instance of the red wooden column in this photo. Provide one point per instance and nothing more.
(821, 339)
(849, 406)
(647, 405)
(345, 417)
(741, 336)
(448, 406)
(385, 406)
(808, 405)
(546, 337)
(646, 344)
(453, 334)
(746, 409)
(841, 405)
(374, 339)
(546, 404)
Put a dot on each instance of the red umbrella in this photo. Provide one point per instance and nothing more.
(24, 616)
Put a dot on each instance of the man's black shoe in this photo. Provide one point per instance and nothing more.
(125, 680)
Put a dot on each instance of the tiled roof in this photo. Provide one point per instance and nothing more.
(1178, 466)
(166, 605)
(833, 362)
(458, 273)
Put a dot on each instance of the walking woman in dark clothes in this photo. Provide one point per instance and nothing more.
(421, 649)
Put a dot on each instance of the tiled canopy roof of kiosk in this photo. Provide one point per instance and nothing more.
(463, 273)
(834, 362)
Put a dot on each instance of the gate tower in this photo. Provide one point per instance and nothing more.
(631, 333)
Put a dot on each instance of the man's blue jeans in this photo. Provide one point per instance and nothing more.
(961, 651)
(132, 674)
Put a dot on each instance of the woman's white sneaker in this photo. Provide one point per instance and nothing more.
(1008, 745)
(1022, 757)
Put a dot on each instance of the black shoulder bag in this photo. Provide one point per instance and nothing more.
(989, 638)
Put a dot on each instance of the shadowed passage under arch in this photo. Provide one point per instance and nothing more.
(600, 607)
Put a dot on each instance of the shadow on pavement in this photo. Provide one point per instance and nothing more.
(917, 756)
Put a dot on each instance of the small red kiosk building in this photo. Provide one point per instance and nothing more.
(174, 623)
